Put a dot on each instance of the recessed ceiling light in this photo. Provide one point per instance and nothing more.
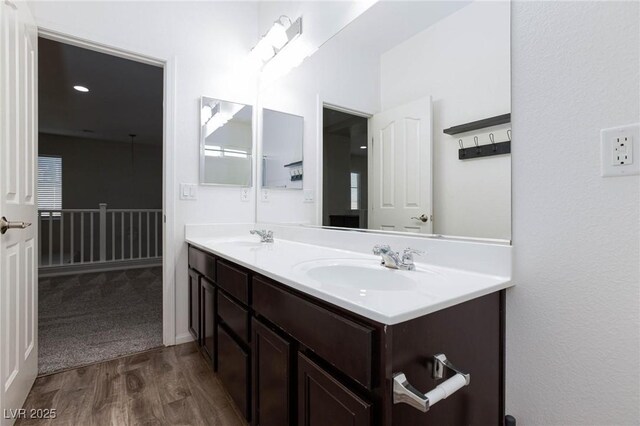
(363, 147)
(81, 89)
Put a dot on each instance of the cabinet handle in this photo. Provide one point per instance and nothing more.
(403, 392)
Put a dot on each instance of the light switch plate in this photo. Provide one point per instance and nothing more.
(264, 195)
(188, 191)
(620, 151)
(308, 195)
(244, 195)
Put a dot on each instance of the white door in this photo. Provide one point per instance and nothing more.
(400, 190)
(18, 255)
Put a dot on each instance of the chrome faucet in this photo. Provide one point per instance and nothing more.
(391, 259)
(265, 236)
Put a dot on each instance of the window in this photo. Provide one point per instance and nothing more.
(49, 184)
(355, 191)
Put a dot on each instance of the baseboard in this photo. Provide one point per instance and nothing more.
(78, 268)
(184, 338)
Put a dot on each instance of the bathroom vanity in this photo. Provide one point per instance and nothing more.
(290, 354)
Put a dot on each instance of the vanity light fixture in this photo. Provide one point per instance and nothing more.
(81, 89)
(283, 32)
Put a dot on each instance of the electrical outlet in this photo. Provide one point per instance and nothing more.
(244, 195)
(265, 195)
(618, 145)
(308, 195)
(623, 150)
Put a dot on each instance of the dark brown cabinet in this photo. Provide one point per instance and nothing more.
(194, 305)
(208, 325)
(271, 377)
(233, 370)
(287, 358)
(323, 400)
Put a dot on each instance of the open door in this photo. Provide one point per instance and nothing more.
(18, 242)
(400, 191)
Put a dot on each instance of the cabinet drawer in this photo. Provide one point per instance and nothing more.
(234, 281)
(234, 316)
(233, 370)
(342, 342)
(322, 397)
(202, 262)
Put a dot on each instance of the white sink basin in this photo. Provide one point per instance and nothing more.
(361, 275)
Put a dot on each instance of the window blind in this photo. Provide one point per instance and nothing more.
(50, 184)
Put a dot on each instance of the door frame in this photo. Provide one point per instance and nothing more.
(168, 64)
(322, 104)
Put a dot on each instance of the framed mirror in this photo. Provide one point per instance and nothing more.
(408, 117)
(282, 141)
(226, 142)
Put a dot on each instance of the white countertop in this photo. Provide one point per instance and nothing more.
(408, 295)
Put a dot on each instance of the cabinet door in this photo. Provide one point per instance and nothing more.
(271, 377)
(233, 370)
(194, 305)
(322, 400)
(208, 295)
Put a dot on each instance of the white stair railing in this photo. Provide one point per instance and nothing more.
(86, 236)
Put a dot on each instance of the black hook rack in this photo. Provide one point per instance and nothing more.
(479, 151)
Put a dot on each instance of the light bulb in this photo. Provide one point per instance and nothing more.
(277, 36)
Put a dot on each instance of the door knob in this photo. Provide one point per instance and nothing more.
(422, 217)
(5, 225)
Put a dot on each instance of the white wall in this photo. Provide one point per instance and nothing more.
(573, 348)
(209, 42)
(462, 61)
(96, 171)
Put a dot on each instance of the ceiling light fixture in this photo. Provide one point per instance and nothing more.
(81, 89)
(363, 147)
(283, 32)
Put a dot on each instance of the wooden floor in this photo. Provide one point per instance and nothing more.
(167, 386)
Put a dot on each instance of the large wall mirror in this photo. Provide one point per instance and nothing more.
(226, 141)
(408, 117)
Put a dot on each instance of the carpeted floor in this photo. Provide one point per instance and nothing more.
(94, 317)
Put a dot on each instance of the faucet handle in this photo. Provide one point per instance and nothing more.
(410, 250)
(381, 248)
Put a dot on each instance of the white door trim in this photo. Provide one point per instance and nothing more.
(169, 137)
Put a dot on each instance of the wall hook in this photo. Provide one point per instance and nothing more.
(493, 142)
(509, 134)
(462, 151)
(475, 141)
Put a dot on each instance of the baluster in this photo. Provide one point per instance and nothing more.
(155, 223)
(91, 237)
(130, 235)
(122, 235)
(81, 237)
(61, 237)
(40, 238)
(102, 224)
(139, 235)
(50, 238)
(113, 235)
(148, 215)
(71, 242)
